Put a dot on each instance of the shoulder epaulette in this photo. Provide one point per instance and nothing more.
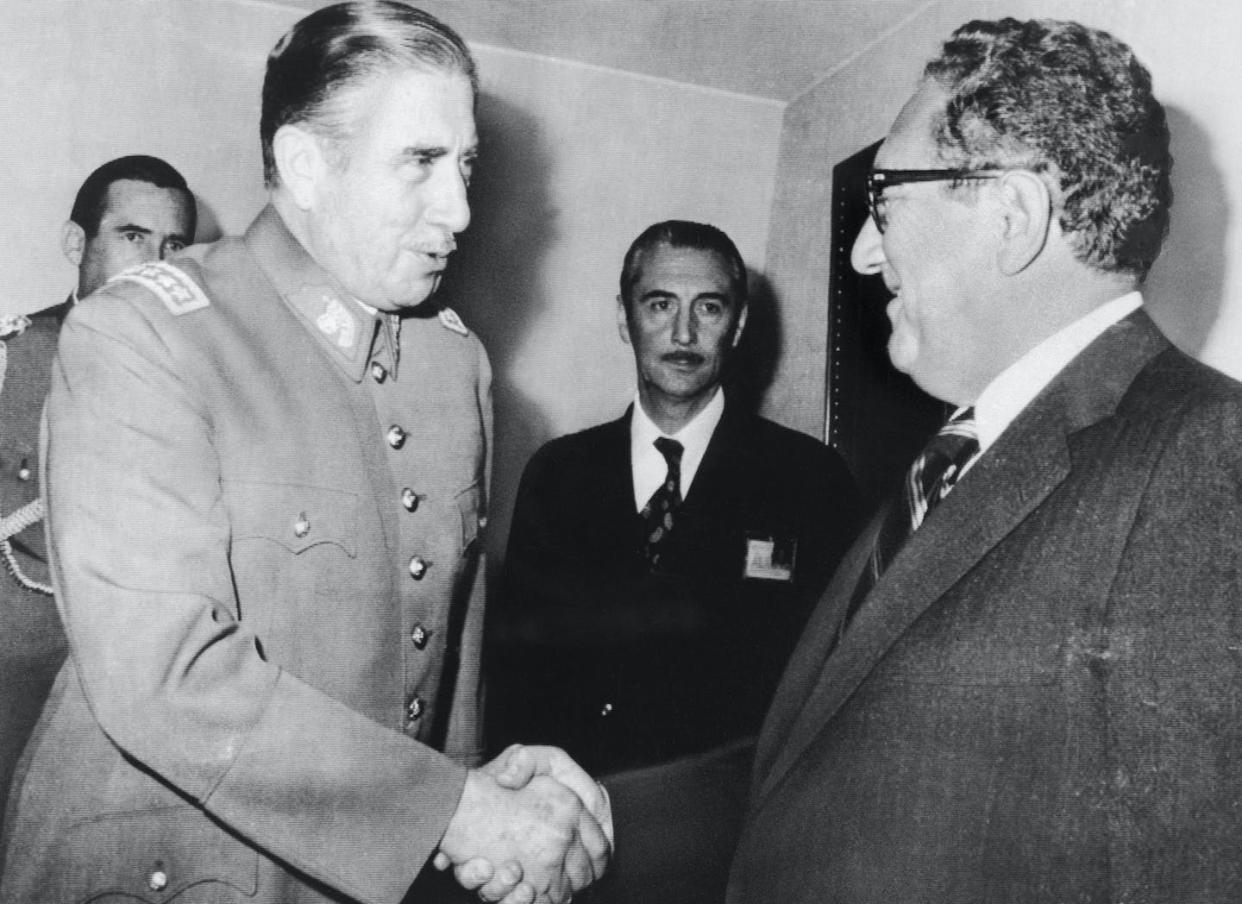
(174, 288)
(13, 325)
(450, 320)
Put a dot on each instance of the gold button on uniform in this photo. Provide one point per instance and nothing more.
(418, 568)
(158, 880)
(301, 527)
(420, 636)
(415, 709)
(378, 373)
(23, 470)
(409, 499)
(396, 436)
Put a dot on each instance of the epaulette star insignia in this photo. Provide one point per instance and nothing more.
(174, 288)
(450, 320)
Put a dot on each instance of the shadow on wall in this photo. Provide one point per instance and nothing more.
(494, 283)
(753, 366)
(1186, 287)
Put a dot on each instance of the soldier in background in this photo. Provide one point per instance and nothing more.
(128, 211)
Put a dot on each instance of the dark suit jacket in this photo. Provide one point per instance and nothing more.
(623, 666)
(1038, 703)
(32, 642)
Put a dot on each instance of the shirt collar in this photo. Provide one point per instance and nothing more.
(1012, 390)
(341, 324)
(648, 465)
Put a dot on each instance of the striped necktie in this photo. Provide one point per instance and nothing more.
(931, 477)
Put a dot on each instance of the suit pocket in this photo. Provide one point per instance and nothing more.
(156, 856)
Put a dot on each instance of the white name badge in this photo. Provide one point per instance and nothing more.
(770, 558)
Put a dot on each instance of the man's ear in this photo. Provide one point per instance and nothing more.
(740, 325)
(73, 243)
(623, 321)
(300, 161)
(1026, 205)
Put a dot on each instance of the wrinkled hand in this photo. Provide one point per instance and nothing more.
(547, 842)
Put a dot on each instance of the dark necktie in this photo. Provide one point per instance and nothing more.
(933, 474)
(661, 509)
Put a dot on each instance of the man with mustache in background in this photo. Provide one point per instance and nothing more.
(660, 566)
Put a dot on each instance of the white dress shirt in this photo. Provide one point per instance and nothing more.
(647, 464)
(1012, 390)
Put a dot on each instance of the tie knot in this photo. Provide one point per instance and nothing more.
(957, 440)
(670, 449)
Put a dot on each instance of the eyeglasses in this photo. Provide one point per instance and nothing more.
(880, 179)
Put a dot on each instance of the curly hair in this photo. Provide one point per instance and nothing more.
(1075, 105)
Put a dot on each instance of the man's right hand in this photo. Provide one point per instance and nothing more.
(541, 827)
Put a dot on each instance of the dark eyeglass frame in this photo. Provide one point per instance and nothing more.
(880, 179)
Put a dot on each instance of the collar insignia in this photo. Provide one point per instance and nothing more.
(450, 321)
(337, 323)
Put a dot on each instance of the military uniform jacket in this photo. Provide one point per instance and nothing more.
(23, 387)
(630, 665)
(32, 643)
(266, 556)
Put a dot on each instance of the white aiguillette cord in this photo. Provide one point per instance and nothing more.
(28, 514)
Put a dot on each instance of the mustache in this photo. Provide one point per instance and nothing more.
(684, 357)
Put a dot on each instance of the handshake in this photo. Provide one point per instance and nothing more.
(531, 828)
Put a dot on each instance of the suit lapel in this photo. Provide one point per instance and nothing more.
(615, 501)
(1008, 482)
(725, 462)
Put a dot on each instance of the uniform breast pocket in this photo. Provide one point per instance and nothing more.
(162, 855)
(288, 539)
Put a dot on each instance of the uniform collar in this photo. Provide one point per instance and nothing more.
(345, 330)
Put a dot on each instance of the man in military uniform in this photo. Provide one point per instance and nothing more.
(130, 210)
(265, 472)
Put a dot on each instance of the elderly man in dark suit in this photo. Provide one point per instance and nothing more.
(1023, 683)
(129, 211)
(660, 566)
(1025, 689)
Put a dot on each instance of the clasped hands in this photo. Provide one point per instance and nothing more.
(531, 828)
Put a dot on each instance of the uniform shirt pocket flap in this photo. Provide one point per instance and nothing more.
(294, 515)
(154, 856)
